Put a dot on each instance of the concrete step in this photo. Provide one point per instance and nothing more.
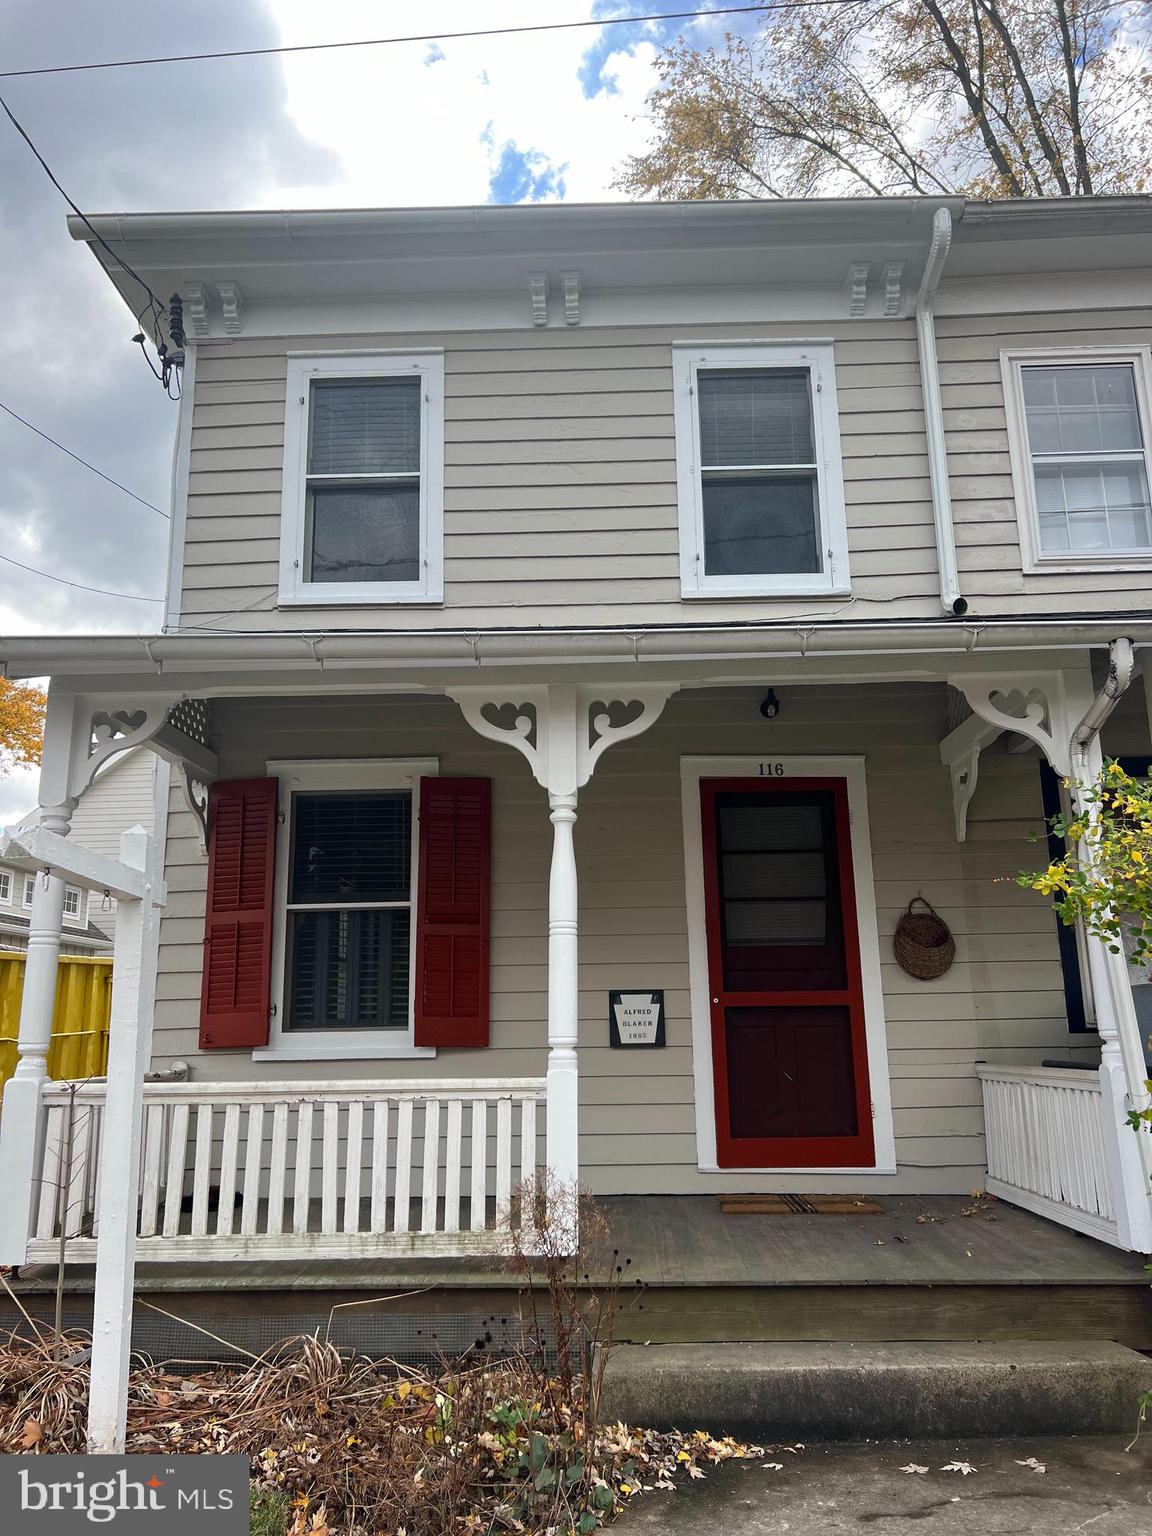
(817, 1392)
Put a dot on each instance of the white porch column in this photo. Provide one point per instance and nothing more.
(129, 1049)
(1062, 713)
(562, 1140)
(562, 729)
(22, 1123)
(1122, 1072)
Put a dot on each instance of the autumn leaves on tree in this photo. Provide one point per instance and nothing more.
(989, 98)
(21, 725)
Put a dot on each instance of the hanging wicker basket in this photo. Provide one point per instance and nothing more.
(923, 944)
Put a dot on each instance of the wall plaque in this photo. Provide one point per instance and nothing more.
(635, 1018)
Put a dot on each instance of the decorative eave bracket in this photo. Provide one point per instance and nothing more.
(538, 297)
(562, 729)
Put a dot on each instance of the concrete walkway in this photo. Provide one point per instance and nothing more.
(1089, 1485)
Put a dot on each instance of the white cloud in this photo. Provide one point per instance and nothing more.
(413, 132)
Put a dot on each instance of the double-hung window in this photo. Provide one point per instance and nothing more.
(346, 875)
(760, 482)
(29, 889)
(5, 886)
(73, 901)
(1079, 426)
(362, 512)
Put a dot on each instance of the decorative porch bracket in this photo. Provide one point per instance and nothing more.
(1036, 706)
(176, 730)
(1049, 709)
(562, 730)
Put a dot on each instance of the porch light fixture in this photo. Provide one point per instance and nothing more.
(770, 705)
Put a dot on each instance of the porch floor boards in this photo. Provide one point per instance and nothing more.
(688, 1241)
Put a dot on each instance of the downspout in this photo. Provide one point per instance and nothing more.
(950, 598)
(1109, 970)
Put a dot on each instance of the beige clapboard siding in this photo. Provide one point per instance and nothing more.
(1002, 1001)
(551, 435)
(120, 797)
(990, 570)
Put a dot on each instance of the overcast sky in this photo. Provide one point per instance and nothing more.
(500, 120)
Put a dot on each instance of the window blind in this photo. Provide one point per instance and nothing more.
(365, 427)
(351, 848)
(754, 417)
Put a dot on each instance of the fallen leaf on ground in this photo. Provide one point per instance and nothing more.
(1037, 1466)
(772, 1466)
(963, 1467)
(912, 1467)
(32, 1434)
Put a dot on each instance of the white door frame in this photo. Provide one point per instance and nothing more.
(777, 770)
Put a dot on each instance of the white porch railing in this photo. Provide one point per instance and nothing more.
(232, 1171)
(1046, 1149)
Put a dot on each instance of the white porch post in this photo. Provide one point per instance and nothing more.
(1065, 725)
(562, 729)
(129, 1048)
(1122, 1071)
(22, 1124)
(562, 1139)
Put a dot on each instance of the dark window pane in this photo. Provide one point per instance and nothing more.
(351, 847)
(364, 533)
(760, 527)
(780, 921)
(348, 970)
(365, 427)
(755, 417)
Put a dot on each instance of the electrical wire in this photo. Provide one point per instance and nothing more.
(430, 37)
(15, 417)
(136, 597)
(154, 304)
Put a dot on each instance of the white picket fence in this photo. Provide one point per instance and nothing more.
(1046, 1146)
(233, 1171)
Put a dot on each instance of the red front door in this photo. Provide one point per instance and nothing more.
(788, 1040)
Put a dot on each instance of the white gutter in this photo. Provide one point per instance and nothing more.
(76, 655)
(950, 598)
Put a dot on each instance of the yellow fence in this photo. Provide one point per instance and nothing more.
(80, 1024)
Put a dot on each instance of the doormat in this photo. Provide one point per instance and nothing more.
(797, 1205)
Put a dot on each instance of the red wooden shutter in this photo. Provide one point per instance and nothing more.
(235, 997)
(452, 912)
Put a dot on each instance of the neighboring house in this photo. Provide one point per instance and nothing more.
(121, 796)
(799, 548)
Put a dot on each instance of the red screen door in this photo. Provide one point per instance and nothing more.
(788, 1042)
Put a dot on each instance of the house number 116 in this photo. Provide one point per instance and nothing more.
(771, 770)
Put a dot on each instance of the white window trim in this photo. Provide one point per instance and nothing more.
(5, 886)
(341, 1044)
(688, 359)
(1034, 561)
(303, 368)
(77, 918)
(852, 771)
(26, 898)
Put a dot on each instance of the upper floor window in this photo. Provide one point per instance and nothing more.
(1079, 426)
(761, 487)
(72, 902)
(5, 886)
(362, 513)
(29, 889)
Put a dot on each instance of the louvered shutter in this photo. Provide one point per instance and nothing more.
(235, 997)
(452, 912)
